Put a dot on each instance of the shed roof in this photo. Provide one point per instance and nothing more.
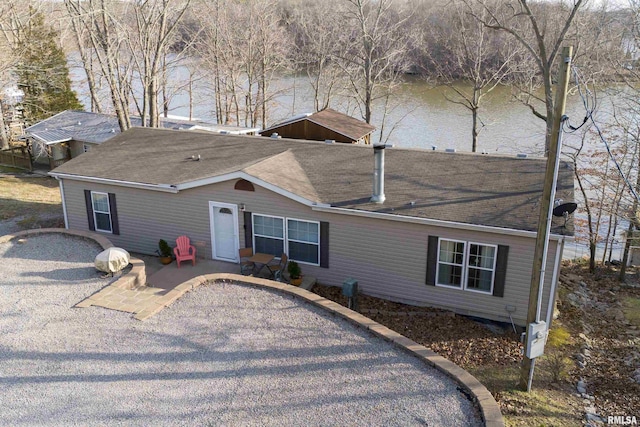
(85, 126)
(331, 119)
(490, 190)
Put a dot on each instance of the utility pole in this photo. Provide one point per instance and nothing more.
(546, 206)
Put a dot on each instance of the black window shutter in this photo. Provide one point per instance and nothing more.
(432, 260)
(89, 205)
(248, 230)
(324, 244)
(501, 271)
(115, 228)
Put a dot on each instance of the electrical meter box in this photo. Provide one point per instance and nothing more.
(350, 288)
(536, 338)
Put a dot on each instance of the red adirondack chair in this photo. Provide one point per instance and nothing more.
(184, 250)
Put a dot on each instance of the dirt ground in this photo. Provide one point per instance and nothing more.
(492, 352)
(608, 322)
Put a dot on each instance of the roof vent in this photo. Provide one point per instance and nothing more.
(275, 135)
(196, 157)
(412, 203)
(113, 131)
(434, 147)
(79, 123)
(330, 141)
(378, 174)
(521, 156)
(450, 150)
(485, 152)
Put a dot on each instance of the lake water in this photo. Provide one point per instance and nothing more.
(421, 114)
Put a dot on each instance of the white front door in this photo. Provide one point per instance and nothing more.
(224, 231)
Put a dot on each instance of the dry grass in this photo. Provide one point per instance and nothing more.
(28, 196)
(632, 310)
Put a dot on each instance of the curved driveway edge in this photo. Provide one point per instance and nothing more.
(489, 408)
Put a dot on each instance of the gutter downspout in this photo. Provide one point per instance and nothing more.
(554, 282)
(64, 204)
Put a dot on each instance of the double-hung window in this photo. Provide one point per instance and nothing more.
(299, 239)
(268, 234)
(466, 265)
(481, 267)
(303, 241)
(450, 263)
(101, 212)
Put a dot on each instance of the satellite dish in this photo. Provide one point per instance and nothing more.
(564, 209)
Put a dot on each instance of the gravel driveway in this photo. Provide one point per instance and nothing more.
(224, 354)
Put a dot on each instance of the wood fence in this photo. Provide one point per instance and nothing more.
(17, 157)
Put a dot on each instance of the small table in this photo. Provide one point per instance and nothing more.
(260, 260)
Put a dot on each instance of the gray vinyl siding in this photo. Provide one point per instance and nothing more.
(388, 258)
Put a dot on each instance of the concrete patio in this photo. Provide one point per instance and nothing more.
(163, 286)
(170, 276)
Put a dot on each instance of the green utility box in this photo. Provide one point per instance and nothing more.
(350, 288)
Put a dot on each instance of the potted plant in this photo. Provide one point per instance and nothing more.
(164, 251)
(295, 273)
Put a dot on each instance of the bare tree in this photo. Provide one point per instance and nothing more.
(372, 53)
(478, 59)
(14, 16)
(541, 29)
(243, 45)
(156, 23)
(316, 32)
(98, 22)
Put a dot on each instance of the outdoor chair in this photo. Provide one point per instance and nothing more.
(246, 267)
(184, 250)
(276, 270)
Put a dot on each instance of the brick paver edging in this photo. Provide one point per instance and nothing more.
(135, 277)
(488, 406)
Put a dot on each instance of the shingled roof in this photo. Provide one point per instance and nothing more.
(497, 191)
(334, 120)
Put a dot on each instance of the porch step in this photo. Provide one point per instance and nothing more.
(308, 282)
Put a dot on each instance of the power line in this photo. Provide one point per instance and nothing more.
(589, 116)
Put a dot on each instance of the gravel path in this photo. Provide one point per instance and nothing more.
(224, 354)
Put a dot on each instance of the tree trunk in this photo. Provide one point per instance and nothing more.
(474, 130)
(4, 138)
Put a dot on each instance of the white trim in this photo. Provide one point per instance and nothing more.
(464, 261)
(437, 222)
(289, 121)
(300, 241)
(95, 219)
(493, 269)
(234, 210)
(155, 187)
(465, 266)
(64, 204)
(59, 141)
(252, 179)
(284, 231)
(320, 207)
